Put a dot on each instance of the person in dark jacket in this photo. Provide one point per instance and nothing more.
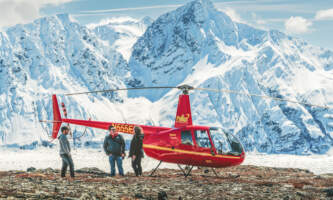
(136, 151)
(114, 147)
(65, 152)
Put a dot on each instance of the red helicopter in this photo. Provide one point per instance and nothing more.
(185, 143)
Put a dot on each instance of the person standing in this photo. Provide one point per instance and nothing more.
(114, 147)
(65, 152)
(136, 151)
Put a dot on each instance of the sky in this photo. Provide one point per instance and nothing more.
(311, 20)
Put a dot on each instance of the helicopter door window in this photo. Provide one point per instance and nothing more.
(202, 139)
(220, 142)
(225, 143)
(186, 137)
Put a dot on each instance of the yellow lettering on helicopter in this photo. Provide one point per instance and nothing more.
(173, 135)
(183, 118)
(124, 128)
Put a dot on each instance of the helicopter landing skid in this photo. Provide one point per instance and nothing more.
(156, 168)
(215, 173)
(207, 171)
(186, 173)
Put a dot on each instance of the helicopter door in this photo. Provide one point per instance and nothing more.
(225, 143)
(203, 141)
(187, 140)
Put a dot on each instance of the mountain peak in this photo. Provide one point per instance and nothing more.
(198, 10)
(65, 18)
(205, 4)
(194, 30)
(147, 20)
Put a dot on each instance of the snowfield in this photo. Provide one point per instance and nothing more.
(45, 157)
(318, 164)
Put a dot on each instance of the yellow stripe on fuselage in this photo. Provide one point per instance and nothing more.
(187, 152)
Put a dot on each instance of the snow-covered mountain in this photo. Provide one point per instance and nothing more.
(51, 55)
(196, 45)
(200, 46)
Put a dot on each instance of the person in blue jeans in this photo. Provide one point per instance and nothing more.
(114, 147)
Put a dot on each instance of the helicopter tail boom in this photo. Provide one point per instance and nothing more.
(121, 127)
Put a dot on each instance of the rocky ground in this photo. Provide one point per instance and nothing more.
(242, 182)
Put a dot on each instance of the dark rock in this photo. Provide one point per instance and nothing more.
(162, 195)
(138, 195)
(269, 184)
(329, 192)
(301, 194)
(149, 198)
(286, 198)
(31, 169)
(92, 170)
(234, 176)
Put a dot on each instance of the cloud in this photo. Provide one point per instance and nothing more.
(23, 11)
(258, 6)
(297, 25)
(256, 19)
(324, 14)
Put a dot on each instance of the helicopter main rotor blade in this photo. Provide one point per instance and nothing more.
(261, 96)
(121, 89)
(187, 88)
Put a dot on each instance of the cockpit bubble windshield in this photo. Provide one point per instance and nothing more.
(225, 143)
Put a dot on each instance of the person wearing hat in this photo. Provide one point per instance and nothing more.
(114, 147)
(136, 151)
(65, 152)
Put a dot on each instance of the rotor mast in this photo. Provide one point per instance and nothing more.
(185, 89)
(183, 115)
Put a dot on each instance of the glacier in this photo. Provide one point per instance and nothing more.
(195, 44)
